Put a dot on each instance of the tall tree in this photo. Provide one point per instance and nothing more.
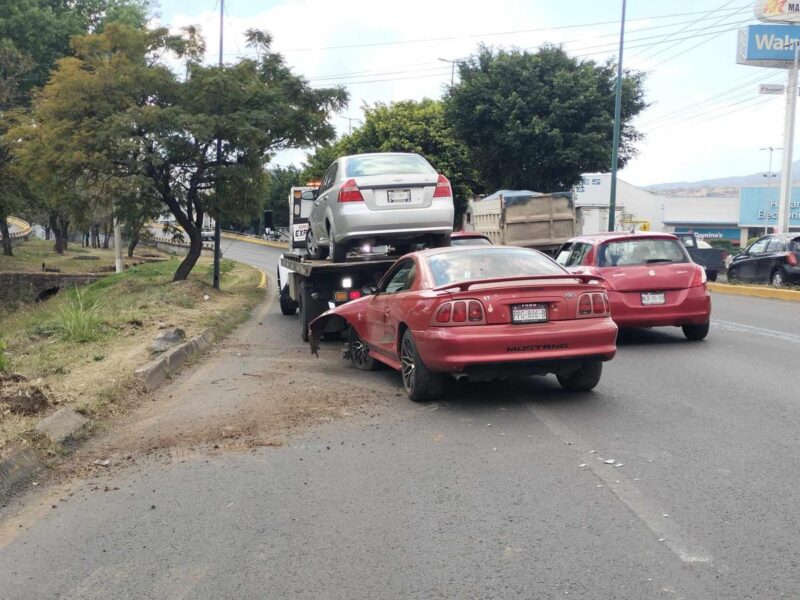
(116, 109)
(539, 120)
(279, 183)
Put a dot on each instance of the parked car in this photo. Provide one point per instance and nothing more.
(773, 259)
(373, 199)
(478, 313)
(650, 279)
(703, 253)
(469, 238)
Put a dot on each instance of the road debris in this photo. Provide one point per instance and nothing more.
(102, 463)
(610, 461)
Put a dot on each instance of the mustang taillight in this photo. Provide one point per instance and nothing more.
(699, 277)
(443, 189)
(349, 192)
(460, 312)
(593, 305)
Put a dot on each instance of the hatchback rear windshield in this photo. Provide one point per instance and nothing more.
(387, 164)
(486, 263)
(642, 251)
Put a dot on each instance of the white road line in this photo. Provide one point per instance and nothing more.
(646, 509)
(741, 328)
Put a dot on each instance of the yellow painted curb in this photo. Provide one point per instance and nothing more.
(253, 240)
(756, 291)
(263, 283)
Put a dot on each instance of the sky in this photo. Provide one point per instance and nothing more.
(706, 118)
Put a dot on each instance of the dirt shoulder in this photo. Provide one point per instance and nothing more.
(81, 347)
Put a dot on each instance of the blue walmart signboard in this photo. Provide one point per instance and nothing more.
(758, 207)
(767, 45)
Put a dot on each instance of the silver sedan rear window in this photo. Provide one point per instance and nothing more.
(387, 164)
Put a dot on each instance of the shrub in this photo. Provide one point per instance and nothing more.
(226, 266)
(3, 363)
(78, 320)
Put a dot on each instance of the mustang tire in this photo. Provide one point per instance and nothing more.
(695, 333)
(584, 379)
(359, 352)
(419, 382)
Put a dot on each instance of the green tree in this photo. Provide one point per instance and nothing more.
(539, 120)
(406, 126)
(116, 109)
(280, 181)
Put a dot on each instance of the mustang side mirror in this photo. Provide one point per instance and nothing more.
(369, 290)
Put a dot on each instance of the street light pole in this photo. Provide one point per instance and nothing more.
(788, 144)
(612, 201)
(218, 220)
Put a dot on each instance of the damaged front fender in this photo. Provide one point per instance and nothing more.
(352, 314)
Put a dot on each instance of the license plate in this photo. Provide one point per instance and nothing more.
(650, 298)
(528, 313)
(398, 196)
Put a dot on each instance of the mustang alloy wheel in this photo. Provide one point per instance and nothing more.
(359, 352)
(419, 382)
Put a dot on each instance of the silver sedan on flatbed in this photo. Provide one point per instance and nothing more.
(389, 198)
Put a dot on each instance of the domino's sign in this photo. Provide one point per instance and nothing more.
(767, 45)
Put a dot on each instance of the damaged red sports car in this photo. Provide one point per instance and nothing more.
(479, 313)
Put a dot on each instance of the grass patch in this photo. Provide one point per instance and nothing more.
(84, 344)
(29, 257)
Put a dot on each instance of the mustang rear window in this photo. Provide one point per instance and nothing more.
(642, 251)
(388, 164)
(487, 263)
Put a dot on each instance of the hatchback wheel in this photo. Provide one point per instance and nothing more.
(732, 275)
(776, 279)
(695, 333)
(420, 383)
(315, 251)
(583, 379)
(359, 352)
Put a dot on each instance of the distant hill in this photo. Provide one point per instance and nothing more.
(721, 186)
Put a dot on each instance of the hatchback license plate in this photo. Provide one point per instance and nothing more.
(398, 196)
(651, 298)
(528, 313)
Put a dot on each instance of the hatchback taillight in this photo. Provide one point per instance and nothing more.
(460, 312)
(699, 277)
(443, 189)
(349, 192)
(791, 259)
(593, 305)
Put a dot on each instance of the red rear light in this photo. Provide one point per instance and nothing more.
(443, 189)
(475, 311)
(585, 305)
(349, 192)
(460, 312)
(598, 306)
(354, 295)
(444, 313)
(700, 277)
(791, 258)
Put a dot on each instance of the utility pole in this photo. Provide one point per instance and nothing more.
(218, 220)
(118, 268)
(769, 175)
(452, 70)
(788, 143)
(612, 201)
(350, 123)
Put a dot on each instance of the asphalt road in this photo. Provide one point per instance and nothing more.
(497, 491)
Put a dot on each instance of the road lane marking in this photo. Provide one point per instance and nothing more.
(646, 509)
(741, 328)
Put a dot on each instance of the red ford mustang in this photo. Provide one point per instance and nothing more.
(479, 313)
(650, 279)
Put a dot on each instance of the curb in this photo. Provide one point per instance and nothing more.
(16, 467)
(253, 240)
(755, 291)
(154, 373)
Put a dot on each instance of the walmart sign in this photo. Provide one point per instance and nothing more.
(758, 207)
(767, 45)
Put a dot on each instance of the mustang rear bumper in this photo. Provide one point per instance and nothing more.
(690, 306)
(535, 348)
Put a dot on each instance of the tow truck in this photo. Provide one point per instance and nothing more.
(311, 287)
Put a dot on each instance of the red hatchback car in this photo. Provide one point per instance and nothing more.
(650, 279)
(478, 313)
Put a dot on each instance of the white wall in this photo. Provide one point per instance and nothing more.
(635, 203)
